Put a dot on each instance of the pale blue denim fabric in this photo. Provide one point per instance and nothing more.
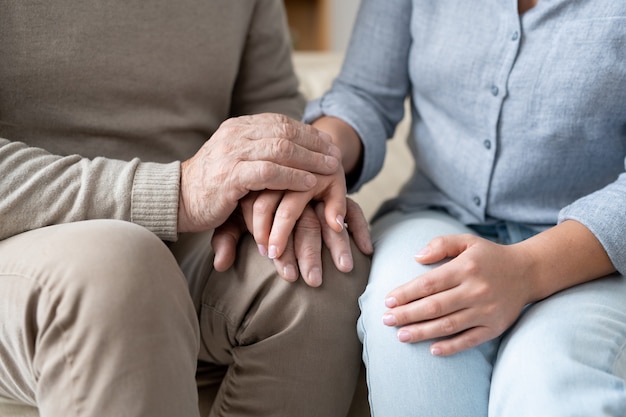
(518, 123)
(565, 357)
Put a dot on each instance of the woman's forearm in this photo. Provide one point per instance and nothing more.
(346, 138)
(575, 256)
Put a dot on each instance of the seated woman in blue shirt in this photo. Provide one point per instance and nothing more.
(497, 282)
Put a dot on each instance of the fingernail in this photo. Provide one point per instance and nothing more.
(391, 302)
(331, 162)
(315, 277)
(290, 272)
(325, 136)
(272, 252)
(390, 320)
(345, 261)
(435, 351)
(262, 250)
(340, 221)
(334, 151)
(404, 336)
(310, 181)
(423, 252)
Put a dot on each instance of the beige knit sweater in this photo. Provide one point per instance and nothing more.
(100, 100)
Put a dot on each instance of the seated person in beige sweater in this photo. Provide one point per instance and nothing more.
(110, 303)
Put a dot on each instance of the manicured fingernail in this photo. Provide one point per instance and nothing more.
(423, 252)
(262, 250)
(345, 261)
(340, 221)
(272, 252)
(435, 351)
(310, 181)
(404, 336)
(391, 302)
(390, 320)
(290, 272)
(315, 277)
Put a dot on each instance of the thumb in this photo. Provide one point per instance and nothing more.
(224, 241)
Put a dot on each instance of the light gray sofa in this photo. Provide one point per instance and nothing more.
(316, 70)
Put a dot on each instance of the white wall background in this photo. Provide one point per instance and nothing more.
(342, 15)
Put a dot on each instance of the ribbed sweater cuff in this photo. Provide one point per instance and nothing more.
(155, 198)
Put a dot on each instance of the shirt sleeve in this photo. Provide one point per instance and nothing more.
(40, 189)
(266, 81)
(370, 90)
(603, 213)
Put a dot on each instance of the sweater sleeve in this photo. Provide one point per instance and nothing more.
(40, 189)
(266, 81)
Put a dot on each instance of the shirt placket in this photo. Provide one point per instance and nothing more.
(494, 94)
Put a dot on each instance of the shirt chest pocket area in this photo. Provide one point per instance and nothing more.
(581, 88)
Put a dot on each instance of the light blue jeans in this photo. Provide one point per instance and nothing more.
(565, 356)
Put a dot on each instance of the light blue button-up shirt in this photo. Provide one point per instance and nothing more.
(516, 118)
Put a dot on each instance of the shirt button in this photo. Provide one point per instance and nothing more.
(487, 144)
(494, 90)
(515, 36)
(476, 201)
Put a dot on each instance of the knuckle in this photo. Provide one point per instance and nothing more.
(428, 285)
(267, 171)
(482, 291)
(432, 308)
(448, 326)
(262, 206)
(284, 129)
(471, 267)
(285, 213)
(282, 148)
(470, 340)
(308, 221)
(437, 242)
(282, 119)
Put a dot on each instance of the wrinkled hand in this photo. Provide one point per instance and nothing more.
(302, 255)
(473, 298)
(266, 151)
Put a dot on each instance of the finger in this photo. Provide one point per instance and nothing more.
(285, 141)
(303, 133)
(286, 264)
(308, 247)
(291, 154)
(428, 308)
(358, 227)
(432, 282)
(224, 241)
(334, 199)
(466, 340)
(259, 213)
(442, 247)
(287, 213)
(337, 243)
(445, 326)
(261, 175)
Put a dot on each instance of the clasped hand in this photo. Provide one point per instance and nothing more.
(290, 228)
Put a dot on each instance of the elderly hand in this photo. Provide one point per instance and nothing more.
(266, 151)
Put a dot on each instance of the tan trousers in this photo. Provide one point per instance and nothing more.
(100, 318)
